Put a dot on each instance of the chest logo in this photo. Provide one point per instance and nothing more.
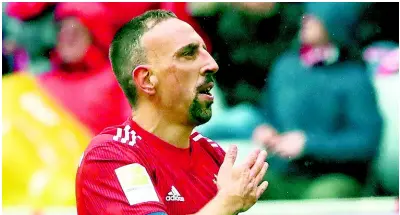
(174, 196)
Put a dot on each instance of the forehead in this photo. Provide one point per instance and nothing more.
(168, 36)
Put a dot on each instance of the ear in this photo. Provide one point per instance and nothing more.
(144, 79)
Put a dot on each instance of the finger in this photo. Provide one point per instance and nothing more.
(261, 174)
(245, 179)
(230, 156)
(252, 187)
(260, 190)
(252, 158)
(256, 168)
(255, 181)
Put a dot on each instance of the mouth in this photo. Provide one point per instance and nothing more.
(205, 88)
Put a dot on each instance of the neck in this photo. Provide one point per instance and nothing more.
(158, 123)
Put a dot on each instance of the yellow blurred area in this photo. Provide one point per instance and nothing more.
(42, 145)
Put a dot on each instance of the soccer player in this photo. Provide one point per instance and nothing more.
(155, 163)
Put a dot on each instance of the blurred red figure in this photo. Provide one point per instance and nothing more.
(80, 58)
(81, 78)
(26, 10)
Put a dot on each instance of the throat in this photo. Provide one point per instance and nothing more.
(175, 134)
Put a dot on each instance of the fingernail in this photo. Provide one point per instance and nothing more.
(264, 152)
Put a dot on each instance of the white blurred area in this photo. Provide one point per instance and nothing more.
(365, 206)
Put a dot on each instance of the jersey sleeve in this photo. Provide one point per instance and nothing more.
(220, 153)
(212, 148)
(110, 182)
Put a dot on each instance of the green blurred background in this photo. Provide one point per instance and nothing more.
(59, 91)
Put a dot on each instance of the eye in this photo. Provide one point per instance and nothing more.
(189, 53)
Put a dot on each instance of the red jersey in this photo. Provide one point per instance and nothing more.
(127, 170)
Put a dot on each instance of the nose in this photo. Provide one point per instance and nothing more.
(210, 67)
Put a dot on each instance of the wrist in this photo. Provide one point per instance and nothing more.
(228, 203)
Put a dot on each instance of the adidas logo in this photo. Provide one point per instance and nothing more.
(174, 195)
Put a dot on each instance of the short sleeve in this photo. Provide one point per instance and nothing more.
(212, 148)
(111, 181)
(220, 153)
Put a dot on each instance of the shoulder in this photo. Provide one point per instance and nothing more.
(353, 68)
(210, 146)
(116, 143)
(203, 140)
(114, 155)
(353, 74)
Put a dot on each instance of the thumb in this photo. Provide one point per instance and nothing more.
(231, 154)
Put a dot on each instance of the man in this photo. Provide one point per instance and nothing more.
(154, 163)
(322, 103)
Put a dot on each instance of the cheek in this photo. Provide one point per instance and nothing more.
(183, 78)
(178, 88)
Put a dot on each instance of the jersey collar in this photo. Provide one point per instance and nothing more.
(178, 156)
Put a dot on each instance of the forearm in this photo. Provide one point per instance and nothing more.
(344, 146)
(219, 205)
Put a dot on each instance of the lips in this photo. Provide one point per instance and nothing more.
(205, 88)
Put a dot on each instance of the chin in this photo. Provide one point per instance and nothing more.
(200, 116)
(203, 120)
(199, 112)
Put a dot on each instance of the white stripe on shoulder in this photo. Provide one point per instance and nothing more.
(215, 145)
(197, 137)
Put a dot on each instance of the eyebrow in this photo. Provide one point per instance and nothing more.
(188, 48)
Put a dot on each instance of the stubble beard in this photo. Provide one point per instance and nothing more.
(199, 113)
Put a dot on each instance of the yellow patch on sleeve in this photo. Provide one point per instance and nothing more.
(136, 184)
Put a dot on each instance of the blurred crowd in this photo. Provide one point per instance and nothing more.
(315, 83)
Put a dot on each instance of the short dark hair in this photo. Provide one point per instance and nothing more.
(126, 51)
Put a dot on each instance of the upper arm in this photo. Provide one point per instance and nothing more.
(109, 183)
(361, 104)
